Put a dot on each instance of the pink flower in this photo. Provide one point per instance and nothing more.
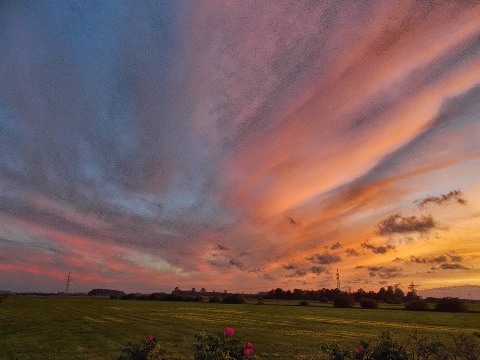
(249, 345)
(248, 352)
(150, 338)
(229, 331)
(358, 350)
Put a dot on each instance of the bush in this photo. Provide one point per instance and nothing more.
(369, 303)
(222, 346)
(417, 305)
(343, 300)
(384, 348)
(304, 303)
(149, 349)
(323, 299)
(233, 299)
(451, 305)
(214, 299)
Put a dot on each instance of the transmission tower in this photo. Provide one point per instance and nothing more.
(67, 290)
(338, 280)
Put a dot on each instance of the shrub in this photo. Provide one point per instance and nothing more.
(233, 299)
(149, 349)
(223, 346)
(323, 299)
(304, 303)
(451, 305)
(214, 299)
(417, 305)
(369, 303)
(343, 300)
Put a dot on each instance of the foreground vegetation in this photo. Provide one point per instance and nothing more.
(93, 328)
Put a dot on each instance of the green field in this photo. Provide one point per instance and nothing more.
(89, 328)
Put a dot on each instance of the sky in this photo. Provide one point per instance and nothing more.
(240, 146)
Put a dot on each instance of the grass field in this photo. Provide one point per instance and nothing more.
(89, 328)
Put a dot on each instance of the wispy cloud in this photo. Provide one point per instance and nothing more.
(398, 224)
(189, 140)
(381, 249)
(324, 259)
(454, 195)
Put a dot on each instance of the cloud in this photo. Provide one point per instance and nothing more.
(298, 273)
(239, 265)
(453, 266)
(289, 266)
(166, 128)
(455, 195)
(383, 249)
(384, 272)
(398, 224)
(336, 246)
(352, 252)
(291, 221)
(325, 258)
(317, 270)
(436, 259)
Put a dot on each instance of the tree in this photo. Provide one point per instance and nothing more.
(343, 300)
(451, 305)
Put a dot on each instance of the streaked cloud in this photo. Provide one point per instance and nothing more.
(398, 224)
(324, 259)
(381, 249)
(455, 195)
(228, 143)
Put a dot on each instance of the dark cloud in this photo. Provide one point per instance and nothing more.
(436, 259)
(352, 252)
(455, 195)
(289, 266)
(336, 246)
(456, 258)
(452, 266)
(317, 270)
(384, 272)
(398, 224)
(324, 259)
(267, 277)
(397, 259)
(378, 249)
(236, 264)
(291, 220)
(298, 273)
(221, 247)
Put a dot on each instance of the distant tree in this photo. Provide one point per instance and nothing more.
(367, 303)
(343, 300)
(411, 296)
(304, 303)
(233, 299)
(359, 294)
(417, 305)
(399, 295)
(449, 304)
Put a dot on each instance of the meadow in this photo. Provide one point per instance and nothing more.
(96, 328)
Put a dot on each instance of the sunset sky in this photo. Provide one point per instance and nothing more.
(240, 145)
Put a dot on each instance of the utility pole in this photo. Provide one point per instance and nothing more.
(338, 280)
(68, 283)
